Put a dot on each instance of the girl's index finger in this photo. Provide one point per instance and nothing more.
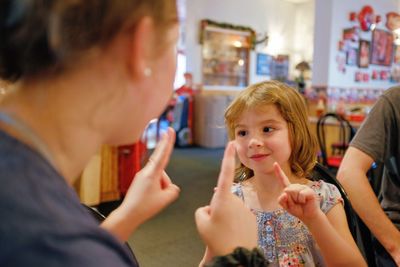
(281, 175)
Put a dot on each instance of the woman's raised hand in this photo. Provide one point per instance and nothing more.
(226, 223)
(151, 191)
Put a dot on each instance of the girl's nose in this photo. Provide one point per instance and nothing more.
(255, 142)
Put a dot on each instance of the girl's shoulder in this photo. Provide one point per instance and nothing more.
(328, 194)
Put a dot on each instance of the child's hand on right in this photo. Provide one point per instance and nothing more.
(299, 200)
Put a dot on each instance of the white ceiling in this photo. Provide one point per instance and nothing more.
(298, 1)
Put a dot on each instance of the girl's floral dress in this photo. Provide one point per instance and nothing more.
(284, 239)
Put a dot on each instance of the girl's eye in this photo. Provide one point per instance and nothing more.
(267, 129)
(241, 133)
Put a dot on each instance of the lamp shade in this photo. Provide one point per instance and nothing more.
(303, 66)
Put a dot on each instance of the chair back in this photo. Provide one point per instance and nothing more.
(346, 133)
(358, 229)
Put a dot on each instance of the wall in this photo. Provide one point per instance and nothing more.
(330, 20)
(289, 26)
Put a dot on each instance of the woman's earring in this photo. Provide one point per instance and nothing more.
(147, 72)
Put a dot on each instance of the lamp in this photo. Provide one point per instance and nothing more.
(303, 66)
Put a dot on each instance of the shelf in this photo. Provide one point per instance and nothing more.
(226, 75)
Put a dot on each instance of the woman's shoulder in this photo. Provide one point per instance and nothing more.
(328, 194)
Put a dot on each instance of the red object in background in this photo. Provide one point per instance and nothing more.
(184, 90)
(366, 18)
(365, 77)
(356, 117)
(375, 75)
(378, 19)
(384, 75)
(130, 158)
(358, 76)
(352, 16)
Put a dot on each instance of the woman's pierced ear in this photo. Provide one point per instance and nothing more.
(147, 72)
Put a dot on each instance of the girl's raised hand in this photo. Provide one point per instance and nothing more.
(299, 200)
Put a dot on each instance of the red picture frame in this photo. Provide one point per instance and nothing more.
(382, 48)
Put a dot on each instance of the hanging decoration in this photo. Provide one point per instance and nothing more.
(206, 22)
(366, 18)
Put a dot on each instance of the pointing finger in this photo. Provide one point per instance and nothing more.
(281, 175)
(227, 172)
(160, 157)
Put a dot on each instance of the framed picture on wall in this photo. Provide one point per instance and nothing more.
(351, 57)
(264, 63)
(381, 48)
(363, 55)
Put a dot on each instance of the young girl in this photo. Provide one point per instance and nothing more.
(300, 222)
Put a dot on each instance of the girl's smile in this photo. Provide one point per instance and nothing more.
(262, 137)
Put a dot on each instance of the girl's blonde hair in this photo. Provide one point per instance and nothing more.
(293, 109)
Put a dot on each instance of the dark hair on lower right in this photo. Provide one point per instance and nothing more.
(45, 35)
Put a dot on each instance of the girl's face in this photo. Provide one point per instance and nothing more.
(262, 138)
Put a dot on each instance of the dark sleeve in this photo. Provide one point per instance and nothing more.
(77, 252)
(372, 136)
(240, 257)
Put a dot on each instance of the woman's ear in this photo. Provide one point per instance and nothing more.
(141, 46)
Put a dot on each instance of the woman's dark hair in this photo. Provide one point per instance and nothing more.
(45, 35)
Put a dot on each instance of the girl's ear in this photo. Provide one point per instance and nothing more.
(140, 57)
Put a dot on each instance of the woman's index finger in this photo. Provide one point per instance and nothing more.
(227, 173)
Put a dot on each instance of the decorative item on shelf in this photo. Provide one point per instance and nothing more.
(322, 100)
(366, 18)
(375, 75)
(395, 74)
(302, 67)
(392, 21)
(396, 58)
(341, 61)
(365, 77)
(358, 76)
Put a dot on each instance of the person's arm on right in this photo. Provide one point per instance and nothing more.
(330, 231)
(352, 175)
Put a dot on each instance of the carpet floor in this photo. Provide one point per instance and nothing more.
(170, 238)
